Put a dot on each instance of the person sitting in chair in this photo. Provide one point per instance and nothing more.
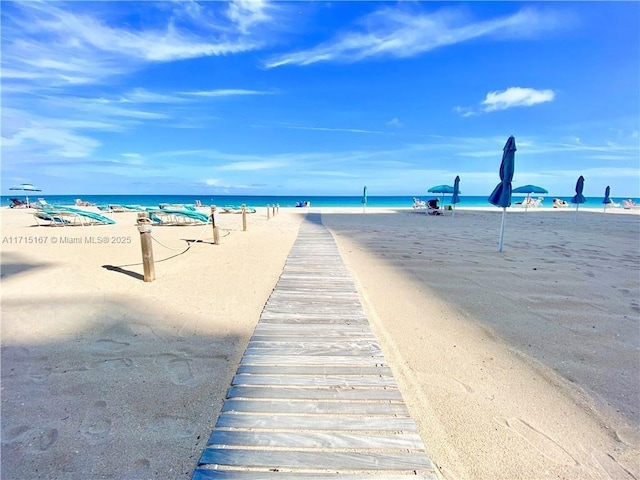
(432, 207)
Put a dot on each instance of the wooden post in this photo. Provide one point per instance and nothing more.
(274, 209)
(244, 217)
(278, 207)
(216, 235)
(268, 212)
(144, 227)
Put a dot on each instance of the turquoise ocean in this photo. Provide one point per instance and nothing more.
(285, 201)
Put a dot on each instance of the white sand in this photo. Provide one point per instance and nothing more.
(523, 364)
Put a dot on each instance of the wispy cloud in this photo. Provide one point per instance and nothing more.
(516, 97)
(52, 44)
(400, 33)
(225, 92)
(330, 129)
(509, 98)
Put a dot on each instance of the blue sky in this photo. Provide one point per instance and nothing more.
(319, 98)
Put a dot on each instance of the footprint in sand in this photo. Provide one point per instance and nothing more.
(35, 440)
(96, 424)
(43, 440)
(108, 345)
(115, 363)
(178, 369)
(541, 442)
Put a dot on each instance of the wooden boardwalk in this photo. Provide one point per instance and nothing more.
(313, 396)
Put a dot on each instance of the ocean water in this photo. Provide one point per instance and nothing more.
(286, 201)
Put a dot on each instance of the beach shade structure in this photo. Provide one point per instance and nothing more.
(529, 189)
(606, 200)
(455, 198)
(501, 195)
(578, 198)
(443, 189)
(364, 199)
(26, 187)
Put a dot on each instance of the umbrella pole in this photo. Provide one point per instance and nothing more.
(576, 215)
(454, 211)
(501, 241)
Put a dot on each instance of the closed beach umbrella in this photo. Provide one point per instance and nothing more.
(364, 198)
(606, 200)
(578, 198)
(501, 195)
(26, 187)
(456, 194)
(529, 189)
(444, 189)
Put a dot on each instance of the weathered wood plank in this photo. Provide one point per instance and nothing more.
(314, 352)
(319, 460)
(334, 440)
(314, 370)
(316, 422)
(315, 380)
(312, 360)
(314, 407)
(203, 473)
(312, 344)
(350, 394)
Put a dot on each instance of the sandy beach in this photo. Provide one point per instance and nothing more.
(523, 364)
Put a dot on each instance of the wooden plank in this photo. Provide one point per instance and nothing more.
(316, 337)
(350, 394)
(314, 370)
(314, 407)
(312, 344)
(203, 473)
(346, 381)
(314, 352)
(353, 360)
(319, 460)
(316, 422)
(298, 440)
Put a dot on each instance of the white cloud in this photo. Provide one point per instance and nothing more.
(225, 92)
(516, 97)
(51, 44)
(403, 33)
(394, 122)
(247, 13)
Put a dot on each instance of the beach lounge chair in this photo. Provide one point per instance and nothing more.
(419, 205)
(433, 208)
(70, 217)
(177, 217)
(52, 219)
(16, 203)
(558, 203)
(82, 203)
(628, 204)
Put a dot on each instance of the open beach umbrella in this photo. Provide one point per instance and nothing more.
(606, 200)
(456, 194)
(364, 199)
(26, 187)
(501, 195)
(443, 189)
(529, 189)
(578, 198)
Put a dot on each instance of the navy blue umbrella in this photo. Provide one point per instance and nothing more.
(578, 198)
(606, 200)
(501, 195)
(456, 194)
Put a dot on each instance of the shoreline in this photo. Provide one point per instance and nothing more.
(476, 339)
